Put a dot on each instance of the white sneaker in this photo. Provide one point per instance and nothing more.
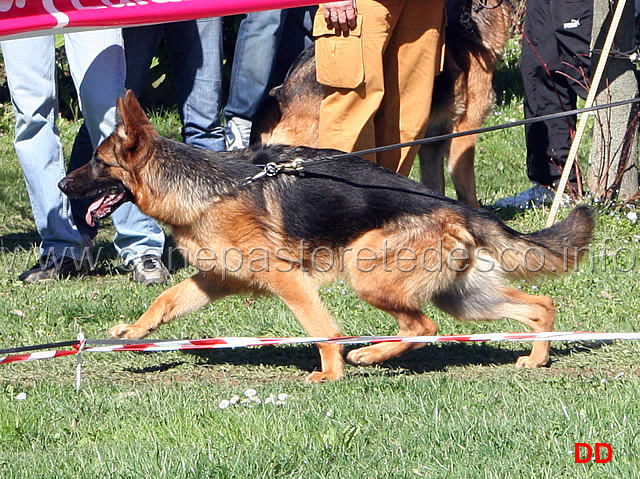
(237, 133)
(148, 270)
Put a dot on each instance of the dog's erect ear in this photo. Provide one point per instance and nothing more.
(275, 91)
(130, 117)
(120, 128)
(133, 128)
(135, 111)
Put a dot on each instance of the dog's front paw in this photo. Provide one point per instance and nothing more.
(322, 376)
(126, 331)
(529, 362)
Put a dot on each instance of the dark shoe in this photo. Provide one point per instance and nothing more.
(50, 269)
(534, 197)
(148, 269)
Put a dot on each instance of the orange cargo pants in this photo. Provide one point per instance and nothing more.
(378, 80)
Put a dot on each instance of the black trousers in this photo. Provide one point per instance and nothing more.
(555, 67)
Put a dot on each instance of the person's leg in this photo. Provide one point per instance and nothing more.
(637, 22)
(548, 142)
(350, 104)
(573, 23)
(298, 34)
(545, 92)
(140, 46)
(412, 59)
(251, 73)
(31, 74)
(97, 65)
(196, 59)
(256, 48)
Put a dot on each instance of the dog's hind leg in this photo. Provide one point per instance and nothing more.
(412, 323)
(183, 298)
(489, 302)
(400, 292)
(537, 312)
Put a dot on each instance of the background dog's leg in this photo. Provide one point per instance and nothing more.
(432, 165)
(479, 98)
(461, 168)
(183, 298)
(299, 292)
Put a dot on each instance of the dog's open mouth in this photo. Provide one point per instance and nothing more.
(105, 204)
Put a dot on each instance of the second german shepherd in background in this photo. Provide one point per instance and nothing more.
(398, 243)
(476, 34)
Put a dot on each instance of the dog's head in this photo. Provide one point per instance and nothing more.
(113, 174)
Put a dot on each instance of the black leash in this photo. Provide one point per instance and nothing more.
(297, 165)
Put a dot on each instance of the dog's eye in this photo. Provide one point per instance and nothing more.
(100, 162)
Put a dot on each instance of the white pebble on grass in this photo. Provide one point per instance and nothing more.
(251, 399)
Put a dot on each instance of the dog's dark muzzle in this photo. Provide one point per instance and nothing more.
(66, 186)
(107, 195)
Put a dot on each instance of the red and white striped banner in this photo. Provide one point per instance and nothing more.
(35, 356)
(23, 18)
(243, 342)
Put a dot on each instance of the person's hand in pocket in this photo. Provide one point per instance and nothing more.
(341, 15)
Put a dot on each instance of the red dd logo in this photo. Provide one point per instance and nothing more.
(590, 452)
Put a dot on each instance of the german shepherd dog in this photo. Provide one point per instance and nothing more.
(398, 243)
(476, 34)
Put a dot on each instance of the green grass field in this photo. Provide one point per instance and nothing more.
(445, 411)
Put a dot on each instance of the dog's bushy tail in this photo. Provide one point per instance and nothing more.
(554, 250)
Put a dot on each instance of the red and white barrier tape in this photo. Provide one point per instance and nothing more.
(48, 17)
(243, 342)
(34, 356)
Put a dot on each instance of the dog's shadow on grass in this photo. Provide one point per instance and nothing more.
(441, 357)
(431, 358)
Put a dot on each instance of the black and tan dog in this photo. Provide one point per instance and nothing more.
(476, 34)
(399, 244)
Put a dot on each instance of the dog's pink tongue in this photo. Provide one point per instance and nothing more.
(94, 207)
(101, 207)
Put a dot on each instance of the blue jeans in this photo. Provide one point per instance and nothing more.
(260, 51)
(256, 49)
(298, 35)
(96, 61)
(195, 49)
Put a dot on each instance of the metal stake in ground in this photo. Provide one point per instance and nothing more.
(81, 346)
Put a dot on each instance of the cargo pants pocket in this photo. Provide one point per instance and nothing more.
(339, 59)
